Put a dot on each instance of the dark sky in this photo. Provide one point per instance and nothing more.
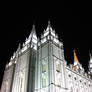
(72, 21)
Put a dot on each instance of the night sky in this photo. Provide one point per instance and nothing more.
(71, 21)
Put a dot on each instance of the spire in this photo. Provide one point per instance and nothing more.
(33, 27)
(75, 57)
(49, 28)
(90, 55)
(19, 46)
(90, 64)
(33, 32)
(49, 23)
(77, 65)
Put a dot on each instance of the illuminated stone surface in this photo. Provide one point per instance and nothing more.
(40, 66)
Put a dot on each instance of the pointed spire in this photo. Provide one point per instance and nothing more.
(33, 28)
(32, 31)
(76, 62)
(49, 28)
(49, 23)
(90, 55)
(75, 56)
(19, 47)
(23, 44)
(90, 64)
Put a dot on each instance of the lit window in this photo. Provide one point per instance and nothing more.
(43, 81)
(43, 68)
(57, 66)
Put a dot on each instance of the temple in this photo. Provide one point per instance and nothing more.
(39, 65)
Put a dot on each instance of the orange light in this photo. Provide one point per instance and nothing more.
(75, 56)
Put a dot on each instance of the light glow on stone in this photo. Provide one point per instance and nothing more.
(49, 29)
(53, 34)
(56, 40)
(43, 40)
(90, 65)
(34, 40)
(10, 63)
(46, 33)
(25, 48)
(75, 63)
(34, 36)
(28, 41)
(91, 61)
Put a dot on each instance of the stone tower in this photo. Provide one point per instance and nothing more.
(25, 65)
(50, 63)
(39, 66)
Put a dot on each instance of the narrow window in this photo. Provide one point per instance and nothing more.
(43, 81)
(57, 66)
(43, 68)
